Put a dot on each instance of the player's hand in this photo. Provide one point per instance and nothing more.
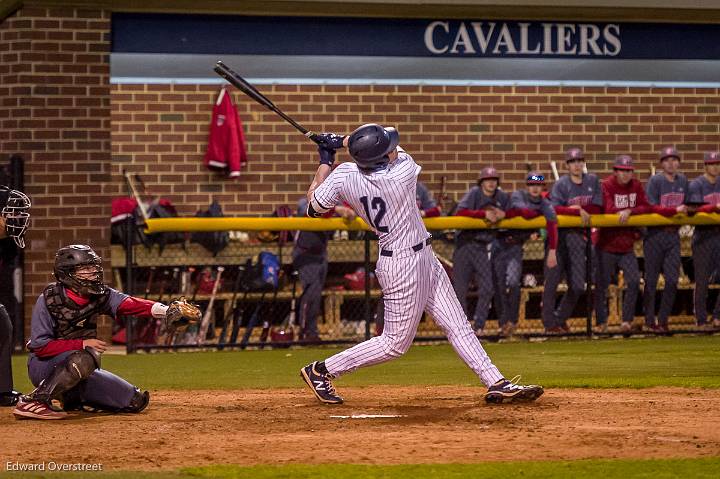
(585, 217)
(3, 234)
(624, 215)
(551, 259)
(499, 214)
(345, 212)
(682, 209)
(330, 141)
(96, 344)
(422, 214)
(327, 156)
(490, 215)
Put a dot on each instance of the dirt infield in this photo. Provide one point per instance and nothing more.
(439, 425)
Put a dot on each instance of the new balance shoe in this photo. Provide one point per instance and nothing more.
(626, 327)
(320, 384)
(506, 391)
(30, 409)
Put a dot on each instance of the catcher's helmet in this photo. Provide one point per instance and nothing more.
(370, 145)
(71, 258)
(15, 211)
(488, 173)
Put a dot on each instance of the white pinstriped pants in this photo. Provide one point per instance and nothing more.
(413, 282)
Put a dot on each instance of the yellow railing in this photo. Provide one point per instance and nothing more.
(159, 225)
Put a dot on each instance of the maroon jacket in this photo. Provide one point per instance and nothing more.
(617, 197)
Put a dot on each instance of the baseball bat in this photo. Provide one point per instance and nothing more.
(148, 285)
(135, 194)
(252, 322)
(267, 322)
(555, 173)
(209, 311)
(233, 305)
(241, 84)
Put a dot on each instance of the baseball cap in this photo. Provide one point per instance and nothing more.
(574, 154)
(623, 162)
(669, 152)
(712, 157)
(535, 178)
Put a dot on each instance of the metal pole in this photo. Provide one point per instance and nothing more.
(368, 313)
(17, 179)
(588, 280)
(129, 284)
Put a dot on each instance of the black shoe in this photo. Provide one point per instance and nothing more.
(320, 384)
(9, 398)
(509, 391)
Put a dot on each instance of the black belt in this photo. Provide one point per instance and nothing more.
(416, 248)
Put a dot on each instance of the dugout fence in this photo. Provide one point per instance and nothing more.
(245, 314)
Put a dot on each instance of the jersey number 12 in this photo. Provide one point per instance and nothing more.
(376, 204)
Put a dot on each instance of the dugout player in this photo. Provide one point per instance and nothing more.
(624, 195)
(14, 220)
(507, 253)
(661, 248)
(471, 258)
(64, 362)
(706, 239)
(309, 256)
(576, 194)
(380, 186)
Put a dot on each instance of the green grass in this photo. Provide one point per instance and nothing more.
(636, 363)
(602, 469)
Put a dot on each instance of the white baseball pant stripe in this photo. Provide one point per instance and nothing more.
(414, 282)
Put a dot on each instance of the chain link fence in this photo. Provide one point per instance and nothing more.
(334, 298)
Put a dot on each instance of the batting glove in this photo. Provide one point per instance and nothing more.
(331, 141)
(327, 156)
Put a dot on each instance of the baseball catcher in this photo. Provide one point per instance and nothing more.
(65, 356)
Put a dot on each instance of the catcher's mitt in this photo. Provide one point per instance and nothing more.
(180, 313)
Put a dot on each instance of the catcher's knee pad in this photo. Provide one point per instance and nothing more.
(138, 402)
(79, 365)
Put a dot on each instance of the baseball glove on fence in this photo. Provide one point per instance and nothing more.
(180, 313)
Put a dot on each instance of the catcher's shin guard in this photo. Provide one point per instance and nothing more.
(78, 366)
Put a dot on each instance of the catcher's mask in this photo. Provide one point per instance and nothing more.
(15, 213)
(79, 268)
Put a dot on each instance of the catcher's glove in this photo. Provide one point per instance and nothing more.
(180, 313)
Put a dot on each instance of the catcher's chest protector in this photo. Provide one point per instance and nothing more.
(73, 321)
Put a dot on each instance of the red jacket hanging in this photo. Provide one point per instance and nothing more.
(226, 143)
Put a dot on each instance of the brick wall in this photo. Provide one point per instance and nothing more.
(160, 131)
(55, 97)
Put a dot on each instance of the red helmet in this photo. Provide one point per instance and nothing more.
(669, 152)
(488, 173)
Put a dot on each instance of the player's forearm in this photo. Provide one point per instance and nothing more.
(321, 175)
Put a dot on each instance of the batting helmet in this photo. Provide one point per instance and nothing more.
(623, 162)
(488, 173)
(370, 145)
(71, 258)
(535, 178)
(574, 154)
(669, 152)
(712, 157)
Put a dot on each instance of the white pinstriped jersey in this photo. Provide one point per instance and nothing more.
(385, 199)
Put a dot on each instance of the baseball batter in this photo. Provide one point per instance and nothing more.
(661, 248)
(14, 218)
(380, 186)
(472, 255)
(64, 362)
(706, 239)
(577, 194)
